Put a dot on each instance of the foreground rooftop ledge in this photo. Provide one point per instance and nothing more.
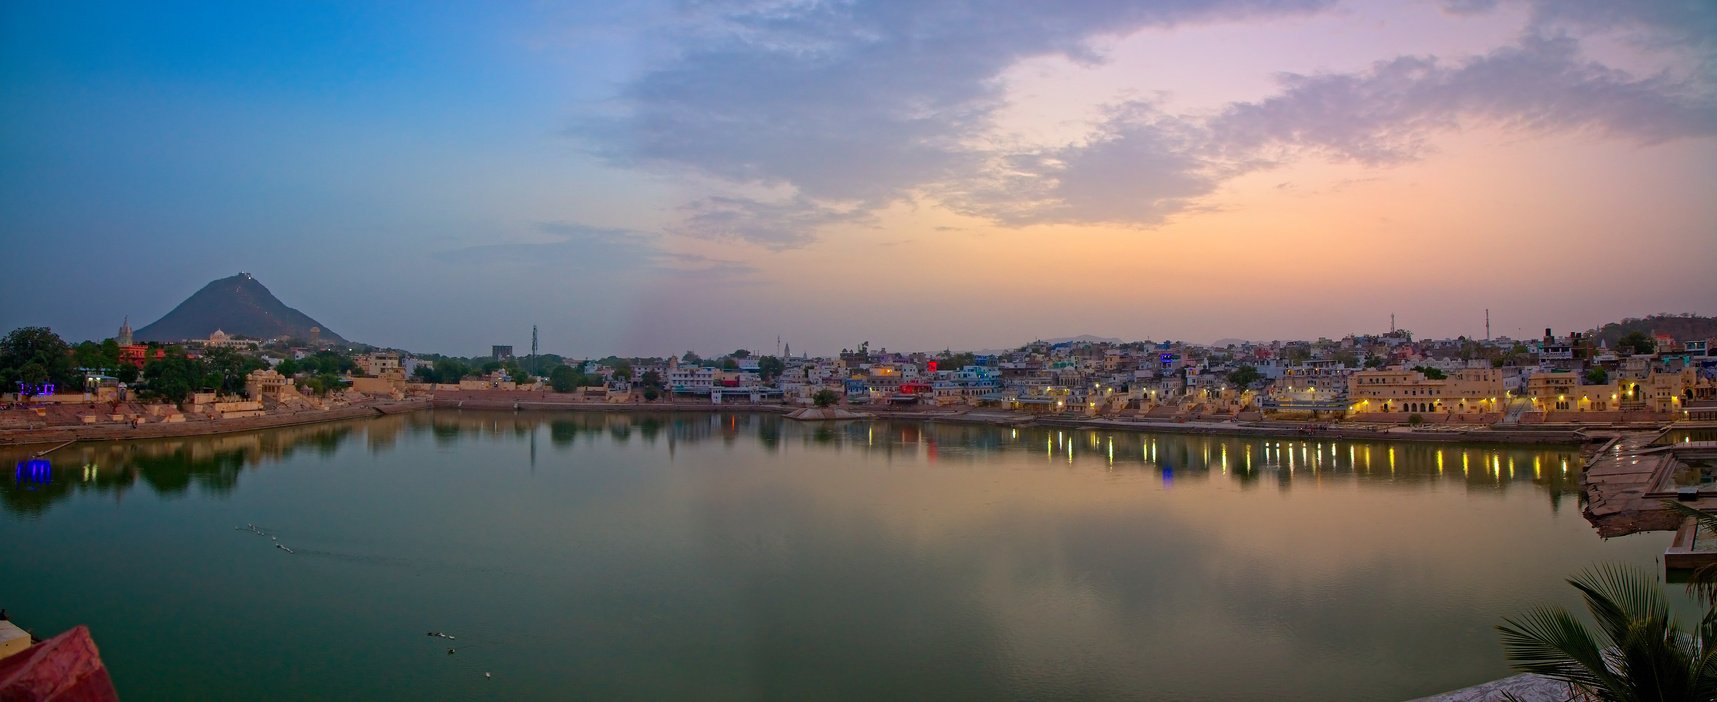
(66, 668)
(1527, 687)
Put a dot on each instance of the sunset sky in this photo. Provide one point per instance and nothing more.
(648, 178)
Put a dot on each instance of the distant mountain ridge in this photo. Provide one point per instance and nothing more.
(237, 305)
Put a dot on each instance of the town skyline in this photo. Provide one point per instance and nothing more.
(925, 176)
(253, 286)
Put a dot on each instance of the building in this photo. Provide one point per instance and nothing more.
(137, 355)
(221, 340)
(501, 353)
(690, 379)
(1467, 390)
(262, 384)
(378, 364)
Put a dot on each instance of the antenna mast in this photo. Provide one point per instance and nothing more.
(534, 362)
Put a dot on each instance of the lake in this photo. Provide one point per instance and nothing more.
(732, 556)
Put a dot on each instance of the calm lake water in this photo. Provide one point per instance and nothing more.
(734, 556)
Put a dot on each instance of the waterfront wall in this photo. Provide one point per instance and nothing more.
(113, 432)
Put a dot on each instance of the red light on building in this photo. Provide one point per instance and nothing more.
(932, 366)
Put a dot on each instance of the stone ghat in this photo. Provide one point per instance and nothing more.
(1624, 483)
(112, 432)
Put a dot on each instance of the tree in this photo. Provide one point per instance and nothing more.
(770, 368)
(1244, 376)
(1638, 653)
(1636, 343)
(40, 346)
(1597, 376)
(172, 378)
(451, 371)
(1431, 373)
(226, 369)
(289, 367)
(127, 373)
(564, 379)
(1347, 358)
(729, 364)
(825, 397)
(741, 353)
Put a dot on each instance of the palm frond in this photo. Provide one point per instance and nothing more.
(1550, 642)
(1621, 599)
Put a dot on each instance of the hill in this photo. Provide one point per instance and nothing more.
(1681, 326)
(239, 306)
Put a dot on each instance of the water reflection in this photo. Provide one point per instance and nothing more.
(731, 556)
(213, 464)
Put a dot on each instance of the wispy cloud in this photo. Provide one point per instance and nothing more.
(1143, 166)
(850, 106)
(580, 248)
(773, 225)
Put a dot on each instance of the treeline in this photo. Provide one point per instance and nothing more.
(1681, 326)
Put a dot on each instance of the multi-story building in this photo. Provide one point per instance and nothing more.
(1403, 390)
(377, 364)
(691, 379)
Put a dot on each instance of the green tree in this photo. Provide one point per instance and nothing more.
(622, 371)
(452, 370)
(287, 367)
(31, 377)
(770, 368)
(1347, 358)
(825, 397)
(564, 379)
(651, 379)
(1597, 376)
(173, 378)
(1636, 343)
(1244, 376)
(127, 373)
(741, 353)
(226, 369)
(729, 364)
(40, 346)
(1431, 373)
(1637, 653)
(90, 355)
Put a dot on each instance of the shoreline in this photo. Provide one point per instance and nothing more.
(1539, 435)
(208, 427)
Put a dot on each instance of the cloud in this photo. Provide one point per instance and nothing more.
(1387, 113)
(574, 247)
(779, 225)
(1143, 166)
(850, 106)
(1138, 169)
(854, 101)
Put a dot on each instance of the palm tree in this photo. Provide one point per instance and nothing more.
(1640, 653)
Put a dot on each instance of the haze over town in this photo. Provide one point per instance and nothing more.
(921, 175)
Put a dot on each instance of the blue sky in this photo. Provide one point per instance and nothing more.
(711, 175)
